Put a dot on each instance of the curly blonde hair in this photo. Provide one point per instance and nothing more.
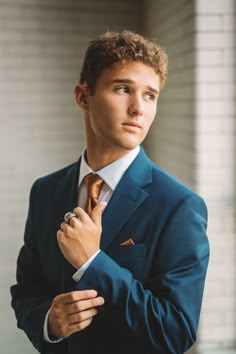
(111, 47)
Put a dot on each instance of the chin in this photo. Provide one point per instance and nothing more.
(130, 146)
(127, 144)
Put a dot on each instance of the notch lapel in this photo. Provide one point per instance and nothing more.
(127, 197)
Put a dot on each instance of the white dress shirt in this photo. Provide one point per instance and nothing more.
(111, 174)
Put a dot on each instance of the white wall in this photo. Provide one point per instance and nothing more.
(216, 167)
(171, 140)
(41, 46)
(194, 138)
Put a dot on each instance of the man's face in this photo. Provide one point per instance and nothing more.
(123, 106)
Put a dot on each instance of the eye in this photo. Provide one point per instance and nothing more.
(150, 96)
(122, 89)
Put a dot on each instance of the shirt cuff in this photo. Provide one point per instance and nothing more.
(45, 331)
(80, 272)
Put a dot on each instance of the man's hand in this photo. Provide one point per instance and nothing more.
(72, 312)
(80, 239)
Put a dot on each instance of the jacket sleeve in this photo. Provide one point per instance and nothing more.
(163, 312)
(30, 298)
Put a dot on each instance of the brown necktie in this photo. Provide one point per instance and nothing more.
(94, 185)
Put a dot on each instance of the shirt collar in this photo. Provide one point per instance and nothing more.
(112, 173)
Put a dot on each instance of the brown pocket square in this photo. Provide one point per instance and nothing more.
(127, 242)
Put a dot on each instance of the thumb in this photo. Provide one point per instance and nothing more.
(96, 214)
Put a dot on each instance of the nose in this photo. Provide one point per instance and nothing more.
(136, 106)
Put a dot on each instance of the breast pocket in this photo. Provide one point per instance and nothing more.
(131, 257)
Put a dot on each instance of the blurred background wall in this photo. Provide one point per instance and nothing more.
(41, 49)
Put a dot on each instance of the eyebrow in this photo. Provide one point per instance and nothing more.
(128, 81)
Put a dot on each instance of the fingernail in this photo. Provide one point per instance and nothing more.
(101, 300)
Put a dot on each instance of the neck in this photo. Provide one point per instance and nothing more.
(100, 152)
(98, 159)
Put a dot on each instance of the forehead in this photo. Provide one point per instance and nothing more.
(136, 72)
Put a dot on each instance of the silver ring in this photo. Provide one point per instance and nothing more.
(69, 215)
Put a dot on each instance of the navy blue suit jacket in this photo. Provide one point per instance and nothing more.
(152, 289)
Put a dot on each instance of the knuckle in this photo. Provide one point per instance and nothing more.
(73, 318)
(90, 294)
(55, 302)
(57, 314)
(74, 222)
(93, 312)
(79, 306)
(79, 317)
(80, 325)
(73, 296)
(58, 300)
(76, 210)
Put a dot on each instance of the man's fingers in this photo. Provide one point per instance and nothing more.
(76, 327)
(80, 214)
(66, 329)
(82, 305)
(96, 215)
(82, 316)
(73, 312)
(74, 296)
(80, 295)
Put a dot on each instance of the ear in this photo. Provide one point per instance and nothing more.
(81, 96)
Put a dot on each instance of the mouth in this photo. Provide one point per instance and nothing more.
(132, 125)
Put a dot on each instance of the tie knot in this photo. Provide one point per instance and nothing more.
(94, 184)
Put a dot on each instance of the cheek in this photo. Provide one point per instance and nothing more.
(151, 114)
(103, 109)
(101, 120)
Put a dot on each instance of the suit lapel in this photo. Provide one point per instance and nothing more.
(128, 196)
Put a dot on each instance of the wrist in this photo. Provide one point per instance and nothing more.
(84, 259)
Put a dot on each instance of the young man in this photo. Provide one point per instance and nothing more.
(128, 275)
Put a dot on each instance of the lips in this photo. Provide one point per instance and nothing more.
(132, 124)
